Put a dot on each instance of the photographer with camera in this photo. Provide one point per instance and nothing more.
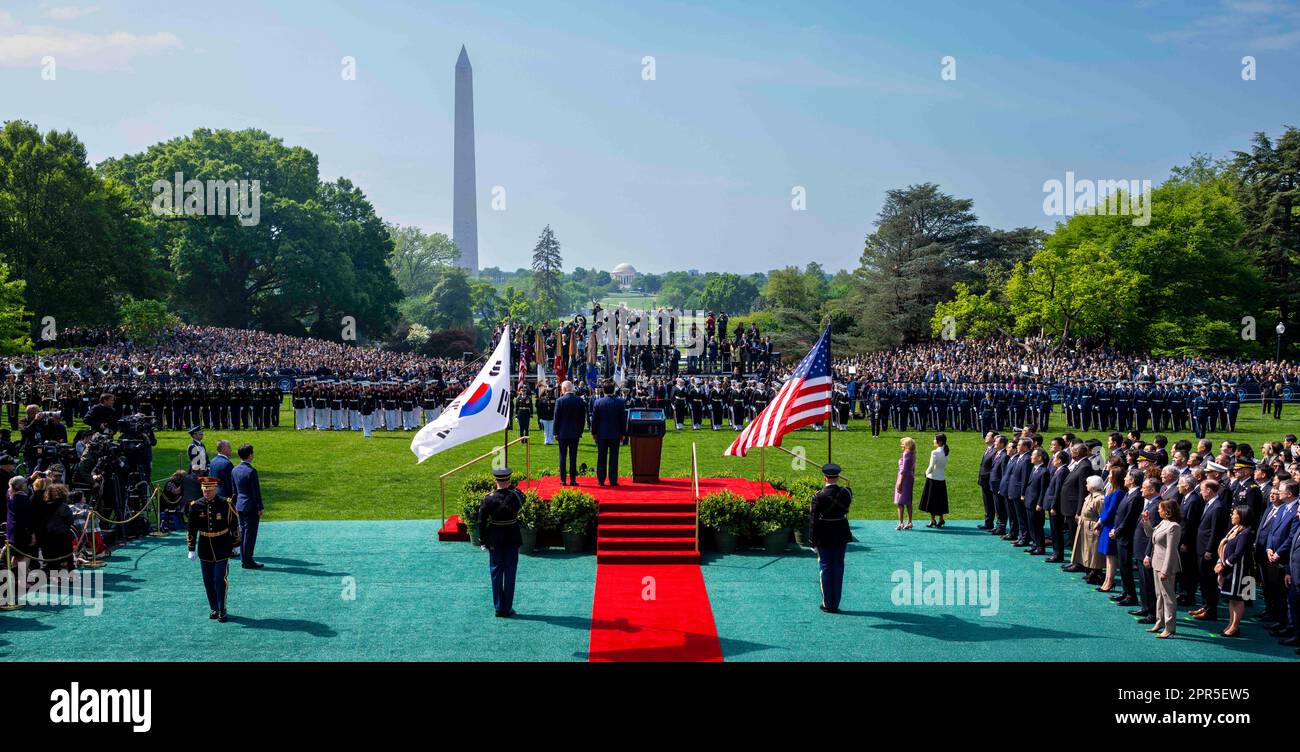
(45, 438)
(102, 416)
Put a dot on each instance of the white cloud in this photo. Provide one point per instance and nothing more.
(1262, 24)
(23, 46)
(68, 12)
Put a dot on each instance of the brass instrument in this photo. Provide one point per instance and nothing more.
(77, 366)
(45, 364)
(139, 370)
(16, 367)
(103, 368)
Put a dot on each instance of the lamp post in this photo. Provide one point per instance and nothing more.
(1281, 329)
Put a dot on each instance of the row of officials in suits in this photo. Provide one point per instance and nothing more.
(1156, 531)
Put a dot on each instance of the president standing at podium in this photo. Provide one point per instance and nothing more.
(608, 417)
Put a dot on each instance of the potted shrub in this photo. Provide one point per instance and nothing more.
(774, 517)
(534, 515)
(800, 510)
(471, 499)
(573, 512)
(727, 515)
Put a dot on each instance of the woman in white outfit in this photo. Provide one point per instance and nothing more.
(934, 496)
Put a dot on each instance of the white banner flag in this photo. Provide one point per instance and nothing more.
(484, 407)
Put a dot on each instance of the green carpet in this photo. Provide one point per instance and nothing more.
(416, 599)
(766, 609)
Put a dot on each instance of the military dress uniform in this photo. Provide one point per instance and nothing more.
(828, 532)
(498, 526)
(213, 534)
(198, 453)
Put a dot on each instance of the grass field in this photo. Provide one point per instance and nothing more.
(324, 475)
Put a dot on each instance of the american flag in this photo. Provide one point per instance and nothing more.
(804, 400)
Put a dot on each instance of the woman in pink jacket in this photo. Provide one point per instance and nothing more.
(903, 486)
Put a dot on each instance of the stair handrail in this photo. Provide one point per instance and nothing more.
(528, 469)
(695, 493)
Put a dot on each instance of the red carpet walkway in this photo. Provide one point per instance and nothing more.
(650, 602)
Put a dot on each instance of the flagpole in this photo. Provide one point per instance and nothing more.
(510, 406)
(831, 407)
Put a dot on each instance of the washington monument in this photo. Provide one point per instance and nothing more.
(464, 213)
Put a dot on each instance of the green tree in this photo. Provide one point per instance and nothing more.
(787, 289)
(547, 274)
(970, 314)
(302, 255)
(15, 327)
(448, 303)
(1268, 177)
(76, 239)
(728, 292)
(417, 257)
(923, 243)
(147, 321)
(484, 301)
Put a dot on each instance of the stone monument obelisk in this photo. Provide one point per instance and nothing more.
(464, 212)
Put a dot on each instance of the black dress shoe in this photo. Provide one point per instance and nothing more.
(1008, 537)
(999, 531)
(254, 565)
(1147, 620)
(1022, 543)
(1071, 568)
(829, 610)
(1054, 559)
(1118, 597)
(982, 526)
(221, 618)
(1139, 612)
(1126, 601)
(212, 615)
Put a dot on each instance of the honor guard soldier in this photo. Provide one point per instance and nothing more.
(213, 534)
(498, 525)
(1231, 406)
(524, 409)
(828, 532)
(1199, 409)
(198, 453)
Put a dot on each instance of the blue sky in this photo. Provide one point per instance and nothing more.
(693, 169)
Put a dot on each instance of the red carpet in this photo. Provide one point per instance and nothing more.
(676, 626)
(650, 602)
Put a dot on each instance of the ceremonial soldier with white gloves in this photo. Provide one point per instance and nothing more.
(498, 526)
(829, 534)
(213, 535)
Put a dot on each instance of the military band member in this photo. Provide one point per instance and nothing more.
(198, 453)
(829, 535)
(498, 526)
(213, 534)
(678, 396)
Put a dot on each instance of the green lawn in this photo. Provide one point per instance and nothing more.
(325, 475)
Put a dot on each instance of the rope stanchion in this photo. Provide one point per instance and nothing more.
(94, 562)
(9, 567)
(155, 499)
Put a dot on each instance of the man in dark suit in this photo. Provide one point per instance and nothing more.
(996, 470)
(248, 502)
(1215, 521)
(1017, 477)
(1052, 502)
(986, 467)
(1040, 475)
(1142, 549)
(1073, 491)
(1191, 508)
(608, 418)
(1274, 547)
(1291, 580)
(1127, 515)
(570, 420)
